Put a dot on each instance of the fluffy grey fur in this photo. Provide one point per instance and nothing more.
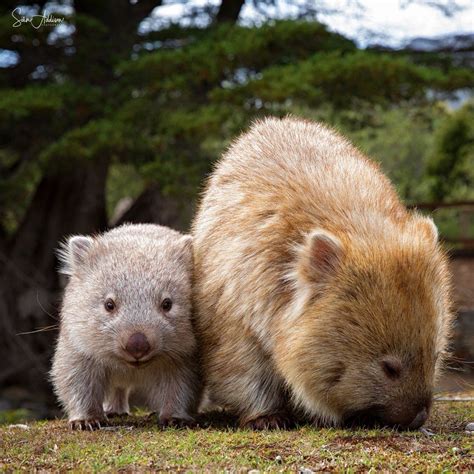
(136, 266)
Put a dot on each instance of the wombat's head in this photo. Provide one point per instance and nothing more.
(128, 300)
(369, 326)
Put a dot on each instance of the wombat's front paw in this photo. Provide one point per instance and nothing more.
(89, 424)
(268, 422)
(176, 422)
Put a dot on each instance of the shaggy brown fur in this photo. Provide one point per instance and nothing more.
(314, 283)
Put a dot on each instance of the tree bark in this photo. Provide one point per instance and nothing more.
(66, 202)
(229, 11)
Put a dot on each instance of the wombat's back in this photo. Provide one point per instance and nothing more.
(296, 166)
(276, 183)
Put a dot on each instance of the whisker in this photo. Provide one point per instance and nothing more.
(44, 309)
(459, 359)
(457, 369)
(45, 329)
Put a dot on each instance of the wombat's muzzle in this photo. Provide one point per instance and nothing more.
(378, 415)
(419, 419)
(138, 346)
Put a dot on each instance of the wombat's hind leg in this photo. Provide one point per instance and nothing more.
(117, 402)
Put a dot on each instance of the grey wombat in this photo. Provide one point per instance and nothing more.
(125, 326)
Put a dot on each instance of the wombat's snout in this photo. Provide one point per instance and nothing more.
(410, 419)
(137, 345)
(419, 419)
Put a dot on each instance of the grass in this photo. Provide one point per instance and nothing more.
(137, 444)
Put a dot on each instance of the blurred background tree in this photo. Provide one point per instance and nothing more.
(104, 121)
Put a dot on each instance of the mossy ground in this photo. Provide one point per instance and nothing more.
(137, 444)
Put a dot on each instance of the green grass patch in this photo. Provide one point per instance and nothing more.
(137, 444)
(19, 415)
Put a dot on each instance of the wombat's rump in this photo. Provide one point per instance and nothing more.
(126, 326)
(314, 284)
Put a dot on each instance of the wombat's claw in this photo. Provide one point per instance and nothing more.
(86, 425)
(426, 431)
(172, 422)
(268, 422)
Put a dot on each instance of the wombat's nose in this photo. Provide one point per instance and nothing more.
(419, 419)
(138, 345)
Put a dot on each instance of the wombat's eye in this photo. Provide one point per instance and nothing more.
(166, 304)
(392, 368)
(109, 305)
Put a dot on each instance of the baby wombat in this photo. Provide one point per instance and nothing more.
(315, 285)
(125, 326)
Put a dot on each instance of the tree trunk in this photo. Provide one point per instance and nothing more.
(153, 207)
(65, 202)
(229, 11)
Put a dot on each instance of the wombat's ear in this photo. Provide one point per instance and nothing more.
(72, 253)
(319, 257)
(428, 228)
(186, 243)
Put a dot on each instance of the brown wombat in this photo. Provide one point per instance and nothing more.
(315, 285)
(125, 326)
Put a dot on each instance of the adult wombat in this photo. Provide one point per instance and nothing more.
(314, 285)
